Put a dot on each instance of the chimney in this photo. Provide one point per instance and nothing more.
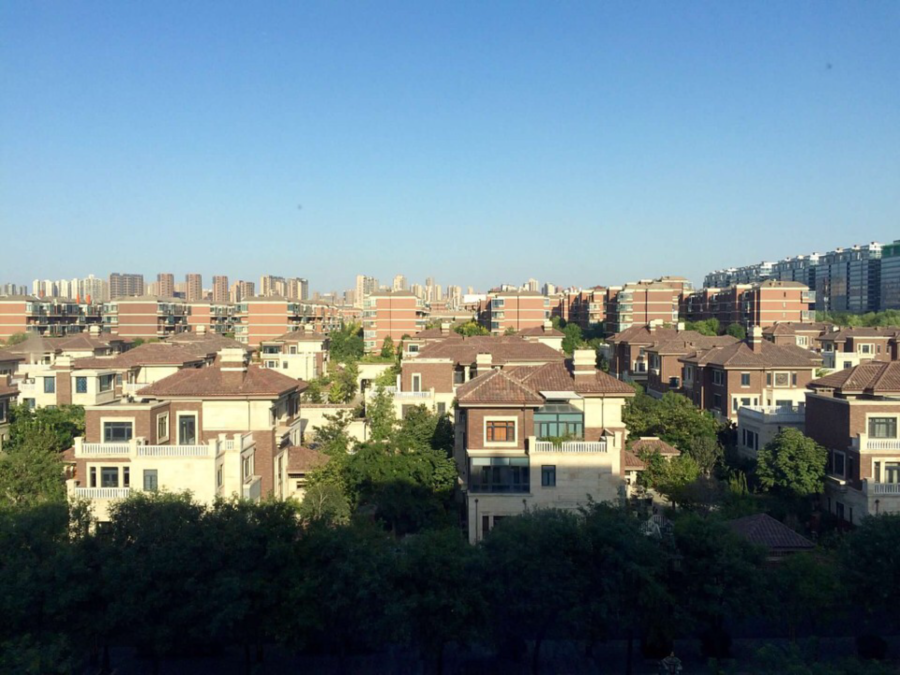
(483, 362)
(755, 339)
(584, 362)
(94, 330)
(233, 360)
(445, 327)
(548, 326)
(201, 329)
(679, 327)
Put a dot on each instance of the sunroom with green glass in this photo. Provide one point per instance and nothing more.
(559, 419)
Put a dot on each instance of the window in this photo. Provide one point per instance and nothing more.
(4, 410)
(865, 349)
(126, 476)
(441, 408)
(500, 432)
(219, 477)
(417, 382)
(745, 379)
(717, 401)
(674, 382)
(187, 429)
(883, 427)
(93, 475)
(559, 420)
(837, 463)
(718, 377)
(284, 365)
(413, 349)
(499, 474)
(117, 432)
(793, 379)
(151, 480)
(107, 382)
(768, 379)
(162, 426)
(271, 364)
(109, 476)
(80, 385)
(782, 379)
(548, 476)
(49, 385)
(892, 472)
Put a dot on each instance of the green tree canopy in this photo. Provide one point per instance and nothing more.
(346, 344)
(573, 338)
(736, 330)
(470, 328)
(387, 348)
(672, 418)
(792, 463)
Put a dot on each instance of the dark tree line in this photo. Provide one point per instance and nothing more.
(169, 577)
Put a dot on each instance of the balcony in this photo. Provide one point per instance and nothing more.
(102, 493)
(881, 488)
(137, 448)
(536, 446)
(253, 488)
(777, 414)
(862, 443)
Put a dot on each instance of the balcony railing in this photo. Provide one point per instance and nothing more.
(775, 413)
(137, 448)
(862, 443)
(102, 493)
(177, 450)
(567, 446)
(881, 488)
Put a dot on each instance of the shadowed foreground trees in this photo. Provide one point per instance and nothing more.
(169, 577)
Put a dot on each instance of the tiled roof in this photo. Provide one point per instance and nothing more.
(216, 382)
(304, 460)
(524, 384)
(689, 341)
(297, 336)
(632, 462)
(539, 331)
(147, 354)
(763, 530)
(653, 444)
(7, 388)
(496, 386)
(7, 355)
(863, 332)
(741, 355)
(872, 377)
(34, 343)
(642, 335)
(503, 349)
(794, 327)
(209, 343)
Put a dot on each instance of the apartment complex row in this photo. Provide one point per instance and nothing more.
(761, 304)
(857, 279)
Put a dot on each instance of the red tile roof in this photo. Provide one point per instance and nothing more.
(147, 354)
(741, 355)
(632, 462)
(496, 386)
(218, 382)
(653, 444)
(763, 530)
(503, 349)
(872, 377)
(304, 460)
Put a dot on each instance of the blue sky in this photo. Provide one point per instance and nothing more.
(479, 143)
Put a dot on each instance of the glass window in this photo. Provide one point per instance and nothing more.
(80, 385)
(151, 480)
(745, 379)
(548, 476)
(117, 432)
(109, 476)
(883, 427)
(49, 385)
(162, 426)
(499, 474)
(559, 420)
(107, 382)
(187, 430)
(126, 476)
(837, 463)
(501, 432)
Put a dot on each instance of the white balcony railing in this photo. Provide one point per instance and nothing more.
(776, 413)
(881, 488)
(102, 493)
(413, 394)
(177, 450)
(137, 448)
(104, 449)
(862, 443)
(568, 446)
(26, 387)
(133, 387)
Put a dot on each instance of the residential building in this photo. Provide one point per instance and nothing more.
(805, 335)
(627, 350)
(300, 354)
(220, 290)
(125, 285)
(92, 290)
(46, 316)
(441, 363)
(763, 531)
(399, 283)
(548, 436)
(854, 414)
(749, 274)
(365, 286)
(644, 301)
(754, 372)
(193, 284)
(241, 290)
(391, 314)
(165, 285)
(8, 393)
(586, 308)
(257, 319)
(760, 304)
(145, 317)
(662, 356)
(510, 311)
(848, 347)
(217, 431)
(890, 276)
(757, 425)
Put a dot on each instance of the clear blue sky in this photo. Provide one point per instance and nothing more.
(477, 142)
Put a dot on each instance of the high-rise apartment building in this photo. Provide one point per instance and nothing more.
(391, 314)
(220, 290)
(514, 310)
(193, 287)
(890, 276)
(532, 285)
(399, 283)
(241, 290)
(297, 288)
(365, 286)
(125, 285)
(165, 285)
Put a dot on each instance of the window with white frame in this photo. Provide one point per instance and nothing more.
(838, 463)
(882, 427)
(162, 427)
(500, 431)
(117, 432)
(416, 382)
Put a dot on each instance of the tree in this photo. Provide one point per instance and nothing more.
(679, 472)
(31, 470)
(325, 502)
(673, 418)
(509, 331)
(333, 438)
(870, 566)
(16, 339)
(315, 390)
(572, 339)
(344, 383)
(471, 328)
(387, 348)
(439, 592)
(380, 415)
(807, 587)
(56, 427)
(736, 330)
(706, 451)
(793, 464)
(346, 344)
(538, 581)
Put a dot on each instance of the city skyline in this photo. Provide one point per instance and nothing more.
(386, 139)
